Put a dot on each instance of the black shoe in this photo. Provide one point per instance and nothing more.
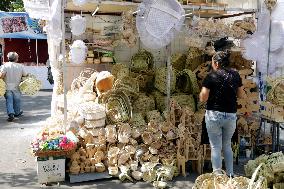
(20, 114)
(11, 117)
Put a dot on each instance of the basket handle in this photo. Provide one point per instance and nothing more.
(254, 176)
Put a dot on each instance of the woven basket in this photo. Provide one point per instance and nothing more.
(142, 61)
(178, 61)
(118, 106)
(195, 57)
(143, 104)
(137, 120)
(90, 124)
(91, 111)
(128, 85)
(30, 86)
(145, 80)
(187, 82)
(2, 87)
(161, 80)
(119, 71)
(54, 153)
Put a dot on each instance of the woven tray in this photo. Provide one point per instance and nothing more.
(54, 153)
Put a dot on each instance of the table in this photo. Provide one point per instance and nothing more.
(275, 132)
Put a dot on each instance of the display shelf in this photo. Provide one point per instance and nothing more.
(204, 9)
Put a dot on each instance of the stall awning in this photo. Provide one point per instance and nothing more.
(19, 25)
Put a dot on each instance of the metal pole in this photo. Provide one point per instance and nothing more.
(268, 54)
(64, 63)
(169, 71)
(36, 54)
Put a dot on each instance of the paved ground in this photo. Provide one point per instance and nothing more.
(18, 167)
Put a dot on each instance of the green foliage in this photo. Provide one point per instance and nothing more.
(12, 5)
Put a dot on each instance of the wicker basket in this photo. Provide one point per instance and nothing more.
(54, 153)
(92, 111)
(118, 106)
(2, 87)
(143, 104)
(89, 124)
(142, 61)
(187, 82)
(119, 71)
(161, 80)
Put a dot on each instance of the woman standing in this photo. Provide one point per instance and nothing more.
(220, 90)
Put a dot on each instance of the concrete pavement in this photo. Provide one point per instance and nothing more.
(18, 166)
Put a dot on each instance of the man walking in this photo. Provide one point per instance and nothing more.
(12, 73)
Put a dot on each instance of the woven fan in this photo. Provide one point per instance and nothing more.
(158, 21)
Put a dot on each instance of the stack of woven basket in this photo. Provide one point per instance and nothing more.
(93, 113)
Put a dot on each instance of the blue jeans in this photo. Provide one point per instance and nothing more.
(13, 102)
(221, 127)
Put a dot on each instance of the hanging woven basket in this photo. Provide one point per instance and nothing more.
(142, 61)
(78, 52)
(78, 25)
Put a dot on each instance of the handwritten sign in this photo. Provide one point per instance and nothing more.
(51, 170)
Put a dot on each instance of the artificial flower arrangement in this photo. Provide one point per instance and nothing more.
(52, 144)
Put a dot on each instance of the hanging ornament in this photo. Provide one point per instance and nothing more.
(78, 25)
(78, 52)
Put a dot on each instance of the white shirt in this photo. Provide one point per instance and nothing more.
(13, 74)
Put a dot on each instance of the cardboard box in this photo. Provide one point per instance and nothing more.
(50, 169)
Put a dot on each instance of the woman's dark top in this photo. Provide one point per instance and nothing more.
(223, 85)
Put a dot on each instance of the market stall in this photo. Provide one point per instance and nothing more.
(126, 90)
(22, 34)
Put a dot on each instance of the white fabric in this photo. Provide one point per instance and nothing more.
(79, 2)
(39, 9)
(78, 52)
(276, 36)
(78, 25)
(14, 73)
(158, 21)
(54, 29)
(277, 12)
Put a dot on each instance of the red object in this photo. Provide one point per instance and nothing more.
(26, 50)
